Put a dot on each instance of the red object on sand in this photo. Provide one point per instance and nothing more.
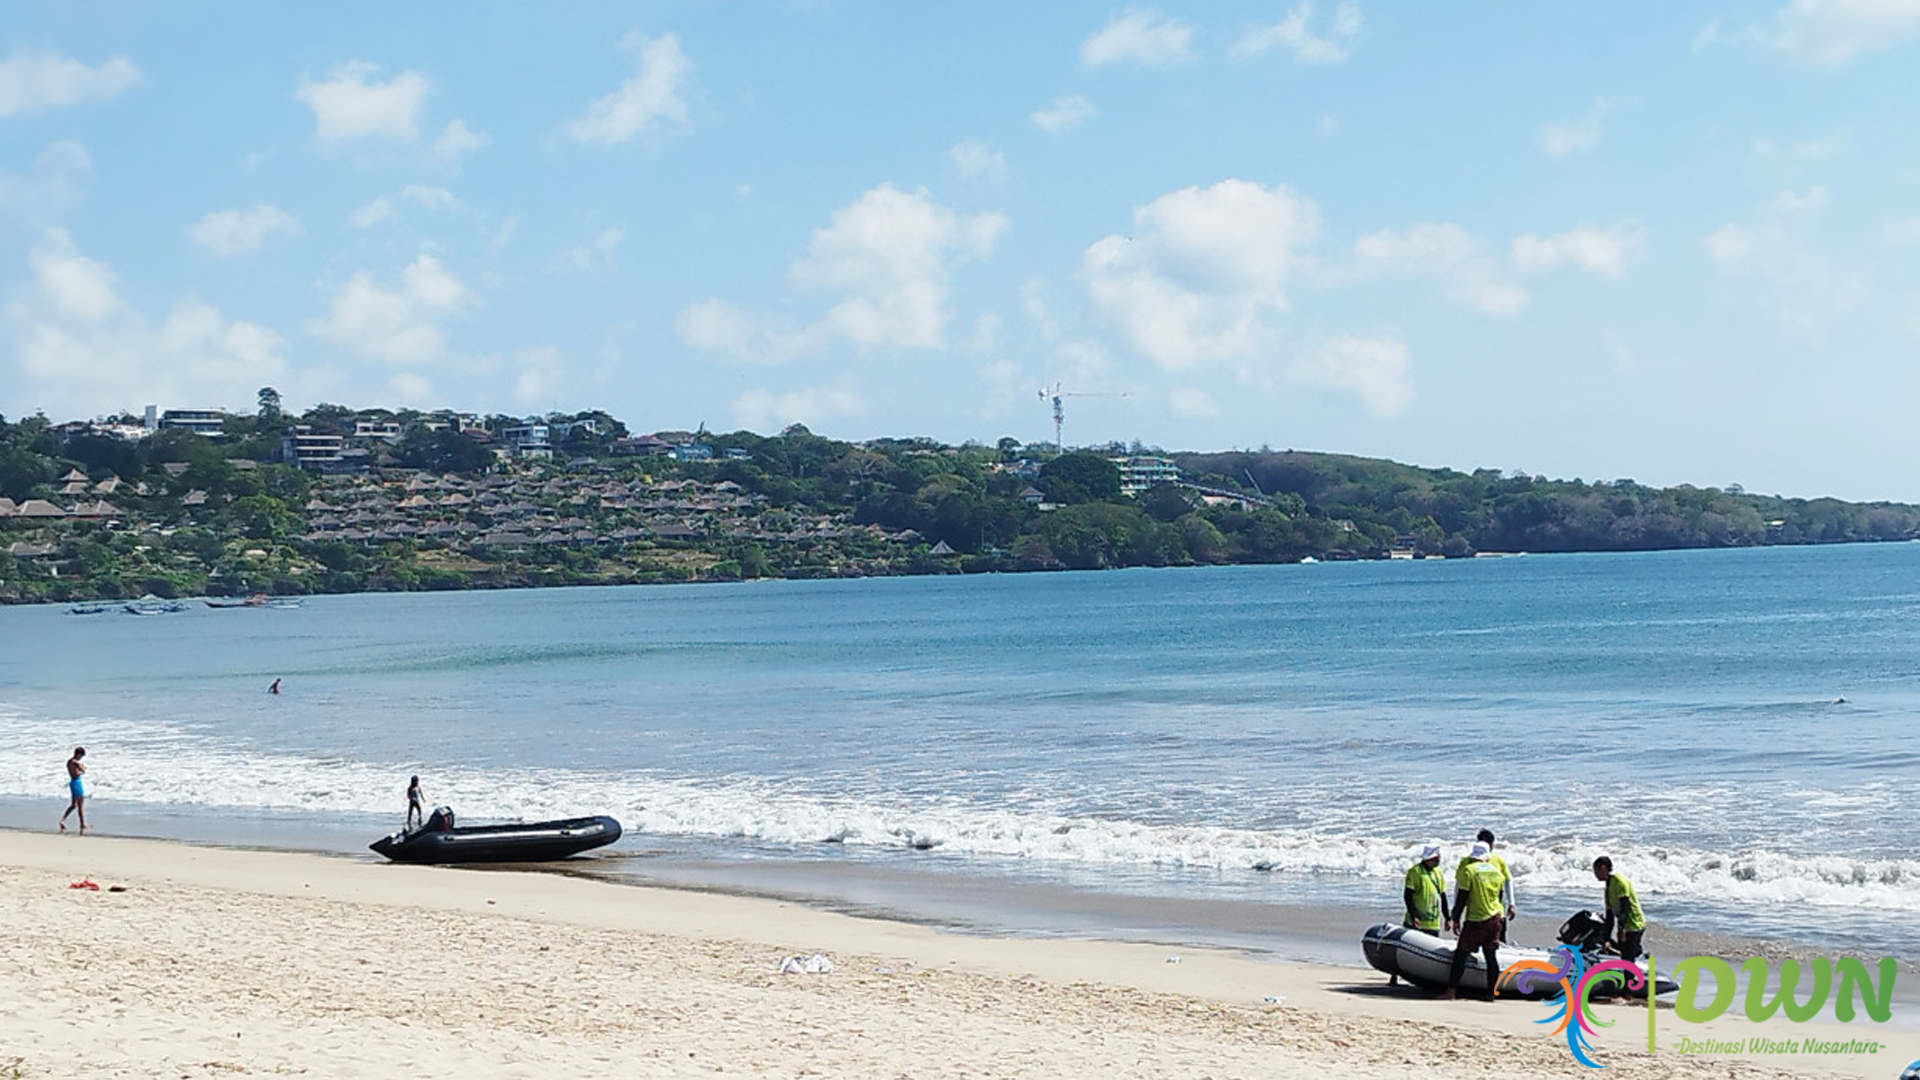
(84, 883)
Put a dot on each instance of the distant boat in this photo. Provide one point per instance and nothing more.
(285, 602)
(90, 609)
(254, 601)
(155, 607)
(1308, 559)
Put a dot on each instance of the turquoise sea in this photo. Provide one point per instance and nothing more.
(1196, 754)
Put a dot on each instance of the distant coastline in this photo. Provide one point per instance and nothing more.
(337, 501)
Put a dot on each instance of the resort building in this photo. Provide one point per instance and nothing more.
(1138, 473)
(209, 422)
(533, 439)
(311, 450)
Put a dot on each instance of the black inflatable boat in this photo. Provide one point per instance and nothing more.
(438, 841)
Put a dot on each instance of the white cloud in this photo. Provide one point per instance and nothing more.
(411, 388)
(1776, 248)
(431, 198)
(80, 289)
(349, 106)
(31, 82)
(765, 410)
(503, 235)
(1374, 370)
(400, 325)
(1790, 203)
(891, 253)
(80, 348)
(651, 93)
(1191, 401)
(1469, 273)
(717, 326)
(1064, 114)
(986, 334)
(1602, 252)
(1292, 34)
(1574, 136)
(1202, 269)
(594, 256)
(1830, 33)
(1143, 37)
(1807, 150)
(459, 139)
(228, 233)
(50, 187)
(373, 213)
(978, 161)
(540, 373)
(382, 209)
(889, 256)
(1902, 231)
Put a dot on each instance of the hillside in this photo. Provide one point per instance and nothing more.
(405, 500)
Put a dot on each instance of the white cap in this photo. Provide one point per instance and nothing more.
(1480, 851)
(1431, 851)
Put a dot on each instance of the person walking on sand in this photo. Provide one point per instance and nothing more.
(76, 789)
(1477, 912)
(1623, 910)
(275, 688)
(416, 804)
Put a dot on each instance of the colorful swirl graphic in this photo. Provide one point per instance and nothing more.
(1571, 1003)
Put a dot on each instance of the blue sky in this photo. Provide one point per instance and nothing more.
(1679, 243)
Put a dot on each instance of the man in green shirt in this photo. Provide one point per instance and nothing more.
(1426, 892)
(1506, 878)
(1477, 909)
(1623, 909)
(1425, 896)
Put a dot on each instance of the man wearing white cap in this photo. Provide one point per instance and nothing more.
(1478, 910)
(1425, 895)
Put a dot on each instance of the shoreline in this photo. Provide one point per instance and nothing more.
(531, 583)
(1316, 930)
(517, 961)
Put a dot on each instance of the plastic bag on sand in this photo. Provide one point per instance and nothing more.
(816, 964)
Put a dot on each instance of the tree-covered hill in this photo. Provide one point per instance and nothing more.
(441, 501)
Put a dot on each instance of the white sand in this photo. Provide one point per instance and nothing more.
(218, 962)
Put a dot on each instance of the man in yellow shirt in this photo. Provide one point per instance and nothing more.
(1623, 909)
(1506, 878)
(1477, 910)
(1425, 896)
(1426, 892)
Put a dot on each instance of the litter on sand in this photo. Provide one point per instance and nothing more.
(85, 883)
(816, 964)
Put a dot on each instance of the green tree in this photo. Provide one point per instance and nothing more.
(1080, 477)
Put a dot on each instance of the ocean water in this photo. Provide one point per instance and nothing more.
(1736, 728)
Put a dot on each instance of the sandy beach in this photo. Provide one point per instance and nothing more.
(221, 962)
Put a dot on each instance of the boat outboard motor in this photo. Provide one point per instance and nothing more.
(440, 820)
(1584, 932)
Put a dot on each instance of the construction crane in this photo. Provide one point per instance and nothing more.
(1059, 414)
